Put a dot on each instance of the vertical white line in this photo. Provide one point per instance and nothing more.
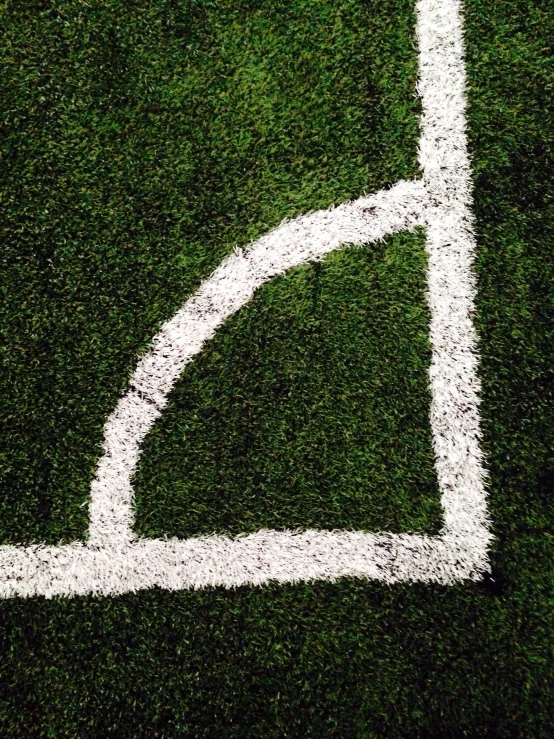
(444, 159)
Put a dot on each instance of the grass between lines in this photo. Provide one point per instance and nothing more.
(142, 142)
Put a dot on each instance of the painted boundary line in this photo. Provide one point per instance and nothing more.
(114, 561)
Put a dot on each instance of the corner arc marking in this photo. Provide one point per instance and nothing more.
(231, 286)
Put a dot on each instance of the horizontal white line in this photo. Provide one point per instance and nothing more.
(265, 556)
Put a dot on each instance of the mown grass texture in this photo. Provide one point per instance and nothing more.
(142, 142)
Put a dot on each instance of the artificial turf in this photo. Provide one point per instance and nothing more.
(144, 142)
(141, 142)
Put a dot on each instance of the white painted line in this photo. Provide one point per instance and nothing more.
(279, 556)
(231, 286)
(113, 561)
(451, 283)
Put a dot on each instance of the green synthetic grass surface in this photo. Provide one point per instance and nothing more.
(141, 142)
(309, 409)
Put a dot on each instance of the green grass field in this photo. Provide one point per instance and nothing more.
(141, 142)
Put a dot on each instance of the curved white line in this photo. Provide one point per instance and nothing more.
(232, 285)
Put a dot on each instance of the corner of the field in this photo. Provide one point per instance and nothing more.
(469, 553)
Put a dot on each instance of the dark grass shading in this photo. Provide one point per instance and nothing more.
(142, 142)
(354, 658)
